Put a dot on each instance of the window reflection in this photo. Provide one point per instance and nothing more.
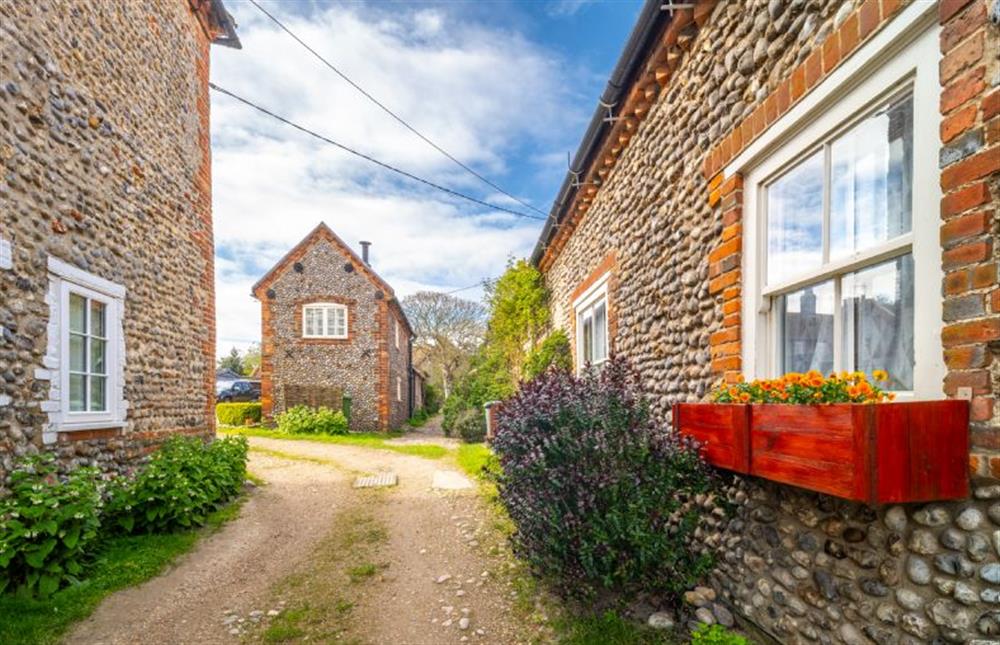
(795, 220)
(871, 180)
(806, 318)
(878, 320)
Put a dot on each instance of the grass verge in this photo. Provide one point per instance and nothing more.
(607, 629)
(122, 562)
(320, 600)
(473, 457)
(360, 439)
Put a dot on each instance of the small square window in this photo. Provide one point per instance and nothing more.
(324, 320)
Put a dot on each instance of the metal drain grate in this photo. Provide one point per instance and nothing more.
(376, 481)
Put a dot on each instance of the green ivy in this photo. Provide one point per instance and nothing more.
(46, 525)
(553, 352)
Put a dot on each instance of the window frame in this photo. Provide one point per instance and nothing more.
(326, 307)
(911, 67)
(399, 389)
(590, 299)
(66, 279)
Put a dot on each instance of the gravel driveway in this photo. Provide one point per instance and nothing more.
(439, 584)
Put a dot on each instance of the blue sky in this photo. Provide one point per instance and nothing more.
(505, 86)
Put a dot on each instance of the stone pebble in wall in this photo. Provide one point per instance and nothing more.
(805, 567)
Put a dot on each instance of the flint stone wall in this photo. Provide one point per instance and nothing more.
(104, 164)
(348, 365)
(803, 567)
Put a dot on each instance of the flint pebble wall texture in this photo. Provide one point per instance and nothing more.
(364, 366)
(801, 566)
(105, 165)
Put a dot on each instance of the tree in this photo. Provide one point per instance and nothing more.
(448, 330)
(519, 315)
(251, 359)
(232, 361)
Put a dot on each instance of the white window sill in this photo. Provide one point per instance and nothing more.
(89, 425)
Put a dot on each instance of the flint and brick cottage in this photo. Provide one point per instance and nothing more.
(331, 327)
(806, 184)
(107, 319)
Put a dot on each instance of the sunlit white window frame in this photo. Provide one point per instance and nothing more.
(588, 301)
(69, 280)
(325, 307)
(399, 389)
(903, 57)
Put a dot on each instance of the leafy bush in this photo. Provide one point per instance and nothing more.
(716, 635)
(453, 406)
(471, 425)
(418, 418)
(433, 397)
(595, 489)
(237, 414)
(183, 482)
(46, 525)
(321, 420)
(553, 352)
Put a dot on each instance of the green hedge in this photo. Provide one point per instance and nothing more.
(237, 414)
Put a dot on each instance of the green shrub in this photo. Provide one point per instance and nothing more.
(596, 489)
(453, 406)
(553, 352)
(471, 425)
(183, 482)
(418, 419)
(303, 419)
(46, 525)
(237, 414)
(716, 635)
(432, 399)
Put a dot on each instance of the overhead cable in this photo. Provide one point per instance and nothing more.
(395, 116)
(382, 164)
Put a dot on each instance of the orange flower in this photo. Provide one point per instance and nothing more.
(880, 375)
(815, 379)
(744, 397)
(853, 391)
(793, 378)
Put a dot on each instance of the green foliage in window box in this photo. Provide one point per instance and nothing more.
(237, 414)
(302, 419)
(184, 481)
(46, 526)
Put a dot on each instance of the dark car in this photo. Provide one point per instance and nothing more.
(240, 391)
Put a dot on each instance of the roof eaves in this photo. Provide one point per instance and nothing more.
(651, 22)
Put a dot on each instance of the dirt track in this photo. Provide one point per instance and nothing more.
(430, 536)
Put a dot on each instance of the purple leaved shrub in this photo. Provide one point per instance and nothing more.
(596, 489)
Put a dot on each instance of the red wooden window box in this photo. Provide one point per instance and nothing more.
(881, 453)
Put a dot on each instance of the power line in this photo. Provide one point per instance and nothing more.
(368, 158)
(471, 286)
(395, 116)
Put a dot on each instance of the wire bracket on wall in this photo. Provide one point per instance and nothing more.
(610, 118)
(574, 181)
(672, 6)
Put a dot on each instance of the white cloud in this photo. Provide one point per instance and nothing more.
(483, 94)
